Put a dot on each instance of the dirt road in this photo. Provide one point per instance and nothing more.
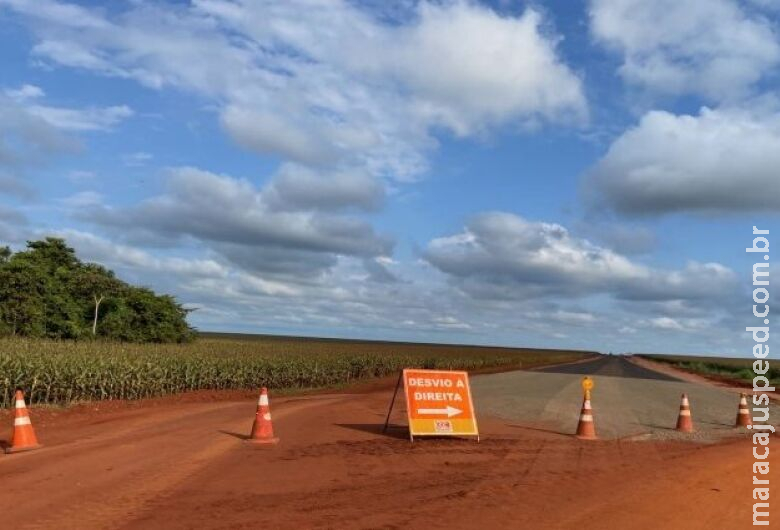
(184, 465)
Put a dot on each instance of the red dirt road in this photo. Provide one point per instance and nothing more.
(170, 464)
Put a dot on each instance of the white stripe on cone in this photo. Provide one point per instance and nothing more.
(685, 413)
(685, 401)
(25, 420)
(267, 416)
(20, 404)
(263, 402)
(586, 417)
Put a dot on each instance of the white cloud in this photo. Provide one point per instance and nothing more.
(83, 199)
(666, 323)
(24, 92)
(95, 248)
(502, 256)
(717, 161)
(74, 55)
(221, 289)
(241, 296)
(716, 48)
(282, 134)
(299, 188)
(678, 325)
(573, 317)
(75, 119)
(26, 141)
(767, 4)
(328, 83)
(449, 322)
(627, 239)
(472, 68)
(280, 229)
(137, 159)
(32, 134)
(50, 11)
(23, 133)
(86, 119)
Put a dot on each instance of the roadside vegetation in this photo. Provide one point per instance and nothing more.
(63, 372)
(722, 367)
(47, 292)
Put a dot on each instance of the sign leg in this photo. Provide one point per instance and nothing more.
(392, 402)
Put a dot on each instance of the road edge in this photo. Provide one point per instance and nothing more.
(692, 377)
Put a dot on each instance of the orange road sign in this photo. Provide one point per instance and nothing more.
(438, 403)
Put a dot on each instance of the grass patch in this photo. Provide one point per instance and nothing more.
(733, 368)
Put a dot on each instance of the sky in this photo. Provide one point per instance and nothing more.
(544, 174)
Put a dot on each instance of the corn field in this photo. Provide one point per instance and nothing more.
(52, 372)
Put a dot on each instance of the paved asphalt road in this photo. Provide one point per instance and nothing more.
(629, 401)
(609, 365)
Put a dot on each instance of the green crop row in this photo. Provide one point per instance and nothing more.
(65, 372)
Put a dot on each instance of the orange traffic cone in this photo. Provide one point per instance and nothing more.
(743, 414)
(684, 421)
(23, 437)
(262, 428)
(586, 429)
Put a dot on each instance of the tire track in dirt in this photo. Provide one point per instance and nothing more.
(147, 471)
(104, 434)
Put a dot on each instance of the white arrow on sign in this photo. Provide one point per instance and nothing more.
(449, 411)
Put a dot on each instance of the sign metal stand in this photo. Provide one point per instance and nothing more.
(392, 401)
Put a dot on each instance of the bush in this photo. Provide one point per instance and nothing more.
(47, 292)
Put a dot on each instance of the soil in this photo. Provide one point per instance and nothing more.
(182, 462)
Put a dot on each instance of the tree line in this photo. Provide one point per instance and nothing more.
(47, 292)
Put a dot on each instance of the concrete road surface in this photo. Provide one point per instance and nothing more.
(629, 401)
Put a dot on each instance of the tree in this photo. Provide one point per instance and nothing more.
(46, 291)
(96, 283)
(51, 253)
(139, 315)
(22, 299)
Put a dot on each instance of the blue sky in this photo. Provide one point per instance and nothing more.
(555, 174)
